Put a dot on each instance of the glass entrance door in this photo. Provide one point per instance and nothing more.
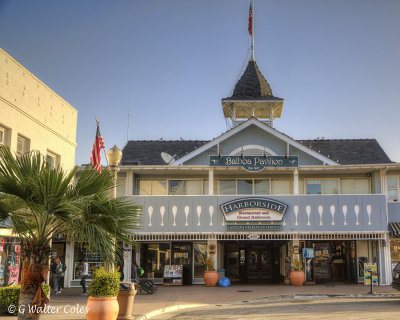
(259, 263)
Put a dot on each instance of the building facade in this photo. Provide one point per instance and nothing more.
(32, 117)
(255, 199)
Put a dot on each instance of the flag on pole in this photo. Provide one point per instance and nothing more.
(95, 159)
(250, 28)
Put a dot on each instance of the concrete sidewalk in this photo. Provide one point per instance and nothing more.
(172, 298)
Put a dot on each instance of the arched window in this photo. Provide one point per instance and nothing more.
(252, 150)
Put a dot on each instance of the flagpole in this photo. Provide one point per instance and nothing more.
(104, 150)
(252, 31)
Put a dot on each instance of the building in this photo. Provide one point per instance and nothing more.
(32, 117)
(254, 196)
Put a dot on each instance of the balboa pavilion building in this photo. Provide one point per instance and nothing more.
(253, 198)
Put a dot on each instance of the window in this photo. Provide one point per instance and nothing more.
(185, 187)
(22, 145)
(153, 258)
(254, 186)
(121, 184)
(354, 186)
(280, 186)
(2, 136)
(152, 187)
(245, 186)
(322, 186)
(261, 186)
(52, 159)
(393, 188)
(226, 187)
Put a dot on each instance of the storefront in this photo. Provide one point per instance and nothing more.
(10, 261)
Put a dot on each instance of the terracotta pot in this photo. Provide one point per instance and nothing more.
(211, 278)
(297, 277)
(102, 308)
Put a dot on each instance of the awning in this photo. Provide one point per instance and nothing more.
(394, 228)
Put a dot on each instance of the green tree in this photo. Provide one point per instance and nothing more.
(39, 202)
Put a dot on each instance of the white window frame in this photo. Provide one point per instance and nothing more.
(3, 140)
(397, 188)
(322, 184)
(25, 146)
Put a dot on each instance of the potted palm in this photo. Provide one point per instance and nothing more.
(297, 274)
(103, 292)
(38, 202)
(210, 275)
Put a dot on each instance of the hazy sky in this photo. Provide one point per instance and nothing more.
(336, 64)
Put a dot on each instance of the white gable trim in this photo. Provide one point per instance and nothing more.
(253, 146)
(263, 126)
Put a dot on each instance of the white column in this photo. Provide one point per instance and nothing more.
(69, 262)
(127, 262)
(296, 181)
(129, 183)
(211, 181)
(382, 174)
(387, 261)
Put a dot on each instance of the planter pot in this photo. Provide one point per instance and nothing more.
(297, 277)
(211, 278)
(102, 308)
(125, 301)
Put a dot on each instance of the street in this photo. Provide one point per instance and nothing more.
(301, 308)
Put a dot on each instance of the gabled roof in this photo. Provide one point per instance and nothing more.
(344, 152)
(148, 152)
(262, 126)
(350, 151)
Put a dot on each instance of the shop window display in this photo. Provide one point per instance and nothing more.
(93, 259)
(153, 258)
(10, 261)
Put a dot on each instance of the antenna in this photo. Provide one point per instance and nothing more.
(168, 159)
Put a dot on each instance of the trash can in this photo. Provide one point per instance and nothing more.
(221, 274)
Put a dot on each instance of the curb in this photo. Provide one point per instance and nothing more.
(157, 312)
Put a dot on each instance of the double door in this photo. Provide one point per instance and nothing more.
(260, 263)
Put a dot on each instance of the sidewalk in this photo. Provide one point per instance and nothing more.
(173, 298)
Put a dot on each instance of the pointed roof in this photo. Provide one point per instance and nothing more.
(252, 85)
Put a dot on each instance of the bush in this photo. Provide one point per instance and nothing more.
(209, 264)
(10, 296)
(297, 265)
(104, 284)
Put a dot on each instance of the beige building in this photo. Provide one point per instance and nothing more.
(34, 117)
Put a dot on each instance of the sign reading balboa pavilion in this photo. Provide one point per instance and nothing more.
(255, 163)
(253, 210)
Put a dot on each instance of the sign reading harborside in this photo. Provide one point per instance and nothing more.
(255, 163)
(253, 209)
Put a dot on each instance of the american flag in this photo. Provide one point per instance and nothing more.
(250, 28)
(95, 159)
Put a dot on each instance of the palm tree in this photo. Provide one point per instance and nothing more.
(39, 202)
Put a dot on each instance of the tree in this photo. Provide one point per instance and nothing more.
(39, 202)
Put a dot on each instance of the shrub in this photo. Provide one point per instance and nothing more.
(297, 265)
(104, 284)
(209, 264)
(10, 296)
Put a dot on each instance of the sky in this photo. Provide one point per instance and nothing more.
(169, 63)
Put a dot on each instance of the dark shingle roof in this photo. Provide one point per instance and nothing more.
(148, 152)
(349, 151)
(252, 85)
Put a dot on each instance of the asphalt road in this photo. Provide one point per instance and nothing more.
(299, 309)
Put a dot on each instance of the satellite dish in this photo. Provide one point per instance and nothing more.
(168, 159)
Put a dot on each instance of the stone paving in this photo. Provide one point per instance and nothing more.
(169, 299)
